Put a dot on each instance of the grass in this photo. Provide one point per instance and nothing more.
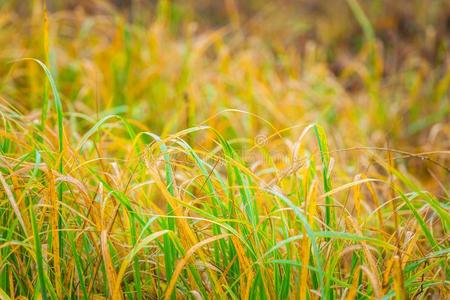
(167, 159)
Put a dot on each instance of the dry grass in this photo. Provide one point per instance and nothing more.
(168, 159)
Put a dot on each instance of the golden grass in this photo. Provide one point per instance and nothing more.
(162, 159)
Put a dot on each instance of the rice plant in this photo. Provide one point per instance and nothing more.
(223, 150)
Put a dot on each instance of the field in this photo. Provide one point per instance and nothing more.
(224, 149)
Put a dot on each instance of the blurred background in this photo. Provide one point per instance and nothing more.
(404, 27)
(371, 72)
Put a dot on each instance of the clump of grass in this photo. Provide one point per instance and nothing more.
(208, 166)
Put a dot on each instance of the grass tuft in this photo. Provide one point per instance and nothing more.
(168, 151)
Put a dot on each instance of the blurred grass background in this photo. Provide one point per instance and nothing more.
(289, 62)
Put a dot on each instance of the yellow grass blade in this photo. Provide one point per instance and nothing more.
(185, 259)
(110, 271)
(13, 203)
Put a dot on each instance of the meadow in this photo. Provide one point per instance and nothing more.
(224, 149)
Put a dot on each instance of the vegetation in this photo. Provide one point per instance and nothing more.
(224, 150)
